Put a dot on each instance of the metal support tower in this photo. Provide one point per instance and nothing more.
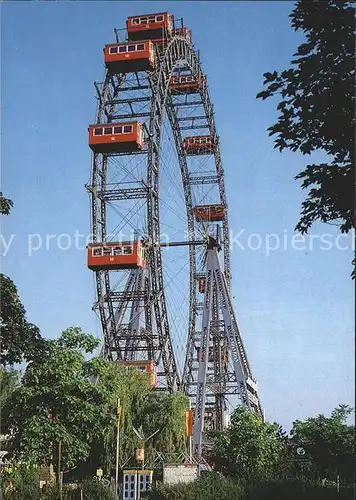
(223, 368)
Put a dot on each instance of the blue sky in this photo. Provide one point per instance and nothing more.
(295, 307)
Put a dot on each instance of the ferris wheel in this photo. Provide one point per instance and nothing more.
(160, 249)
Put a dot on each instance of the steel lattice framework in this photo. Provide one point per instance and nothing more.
(135, 320)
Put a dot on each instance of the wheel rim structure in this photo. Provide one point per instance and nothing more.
(148, 96)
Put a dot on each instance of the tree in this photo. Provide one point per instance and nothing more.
(317, 109)
(9, 381)
(19, 339)
(5, 205)
(70, 398)
(166, 413)
(250, 449)
(329, 442)
(57, 403)
(147, 411)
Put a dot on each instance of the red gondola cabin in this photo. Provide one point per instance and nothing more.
(201, 285)
(148, 367)
(115, 256)
(129, 57)
(211, 357)
(186, 84)
(116, 137)
(150, 26)
(199, 145)
(209, 213)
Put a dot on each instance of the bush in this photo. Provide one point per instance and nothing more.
(297, 490)
(26, 487)
(25, 482)
(215, 487)
(95, 490)
(209, 487)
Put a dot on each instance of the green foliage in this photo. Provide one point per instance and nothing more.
(296, 490)
(166, 413)
(95, 490)
(329, 443)
(26, 486)
(91, 490)
(58, 385)
(317, 108)
(68, 400)
(208, 487)
(250, 449)
(5, 205)
(9, 381)
(19, 339)
(215, 487)
(145, 410)
(131, 387)
(25, 482)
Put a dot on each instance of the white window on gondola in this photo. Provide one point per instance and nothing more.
(131, 48)
(117, 130)
(122, 49)
(98, 131)
(107, 251)
(127, 250)
(96, 252)
(127, 129)
(140, 47)
(107, 130)
(113, 50)
(117, 251)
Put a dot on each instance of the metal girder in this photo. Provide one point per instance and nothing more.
(187, 103)
(129, 116)
(205, 179)
(123, 194)
(129, 100)
(194, 127)
(131, 89)
(125, 296)
(181, 243)
(136, 319)
(199, 412)
(187, 118)
(125, 153)
(240, 381)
